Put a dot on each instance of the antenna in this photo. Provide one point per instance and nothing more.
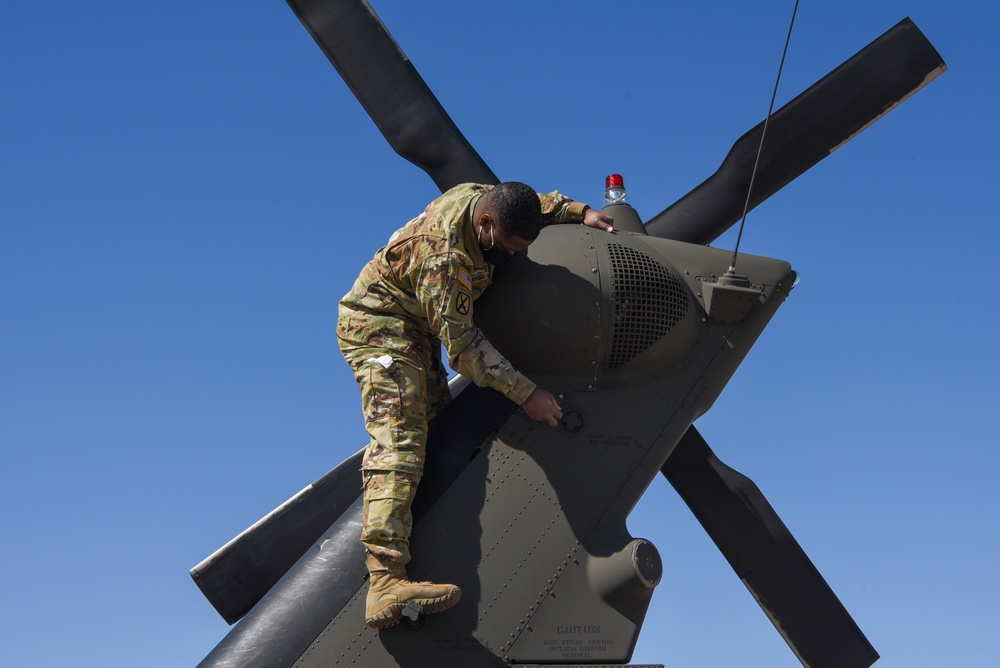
(763, 133)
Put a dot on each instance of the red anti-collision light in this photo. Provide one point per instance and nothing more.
(614, 181)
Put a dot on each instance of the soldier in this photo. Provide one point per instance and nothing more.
(413, 296)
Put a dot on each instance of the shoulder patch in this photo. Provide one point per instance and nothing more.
(464, 278)
(463, 303)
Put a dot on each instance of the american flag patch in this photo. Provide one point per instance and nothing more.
(464, 278)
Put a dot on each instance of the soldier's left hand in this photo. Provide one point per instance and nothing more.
(599, 220)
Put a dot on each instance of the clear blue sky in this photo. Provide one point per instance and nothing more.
(188, 188)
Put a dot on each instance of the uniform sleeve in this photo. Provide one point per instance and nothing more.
(444, 288)
(557, 208)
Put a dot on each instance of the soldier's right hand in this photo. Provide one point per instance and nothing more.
(543, 407)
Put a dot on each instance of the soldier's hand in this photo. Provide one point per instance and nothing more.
(543, 407)
(599, 219)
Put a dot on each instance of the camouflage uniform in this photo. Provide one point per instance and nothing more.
(413, 296)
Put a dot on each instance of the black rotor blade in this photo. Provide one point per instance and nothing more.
(766, 557)
(238, 575)
(241, 572)
(392, 92)
(804, 131)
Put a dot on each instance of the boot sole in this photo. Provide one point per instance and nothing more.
(393, 614)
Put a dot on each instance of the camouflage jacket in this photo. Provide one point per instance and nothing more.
(417, 292)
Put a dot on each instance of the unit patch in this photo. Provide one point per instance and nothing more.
(462, 302)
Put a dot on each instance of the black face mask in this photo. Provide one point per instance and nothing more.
(495, 256)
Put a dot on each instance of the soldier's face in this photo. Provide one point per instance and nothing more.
(508, 244)
(497, 246)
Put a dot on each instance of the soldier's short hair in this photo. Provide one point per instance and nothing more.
(517, 209)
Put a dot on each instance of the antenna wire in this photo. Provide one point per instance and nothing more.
(763, 133)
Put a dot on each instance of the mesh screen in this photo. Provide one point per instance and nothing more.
(648, 301)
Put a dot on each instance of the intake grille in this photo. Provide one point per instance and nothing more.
(648, 301)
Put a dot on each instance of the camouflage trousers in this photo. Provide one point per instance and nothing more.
(399, 397)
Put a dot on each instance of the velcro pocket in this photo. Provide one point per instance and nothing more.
(390, 485)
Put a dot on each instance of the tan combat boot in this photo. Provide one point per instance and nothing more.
(389, 593)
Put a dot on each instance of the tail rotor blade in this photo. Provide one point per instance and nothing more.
(766, 557)
(392, 92)
(239, 573)
(804, 131)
